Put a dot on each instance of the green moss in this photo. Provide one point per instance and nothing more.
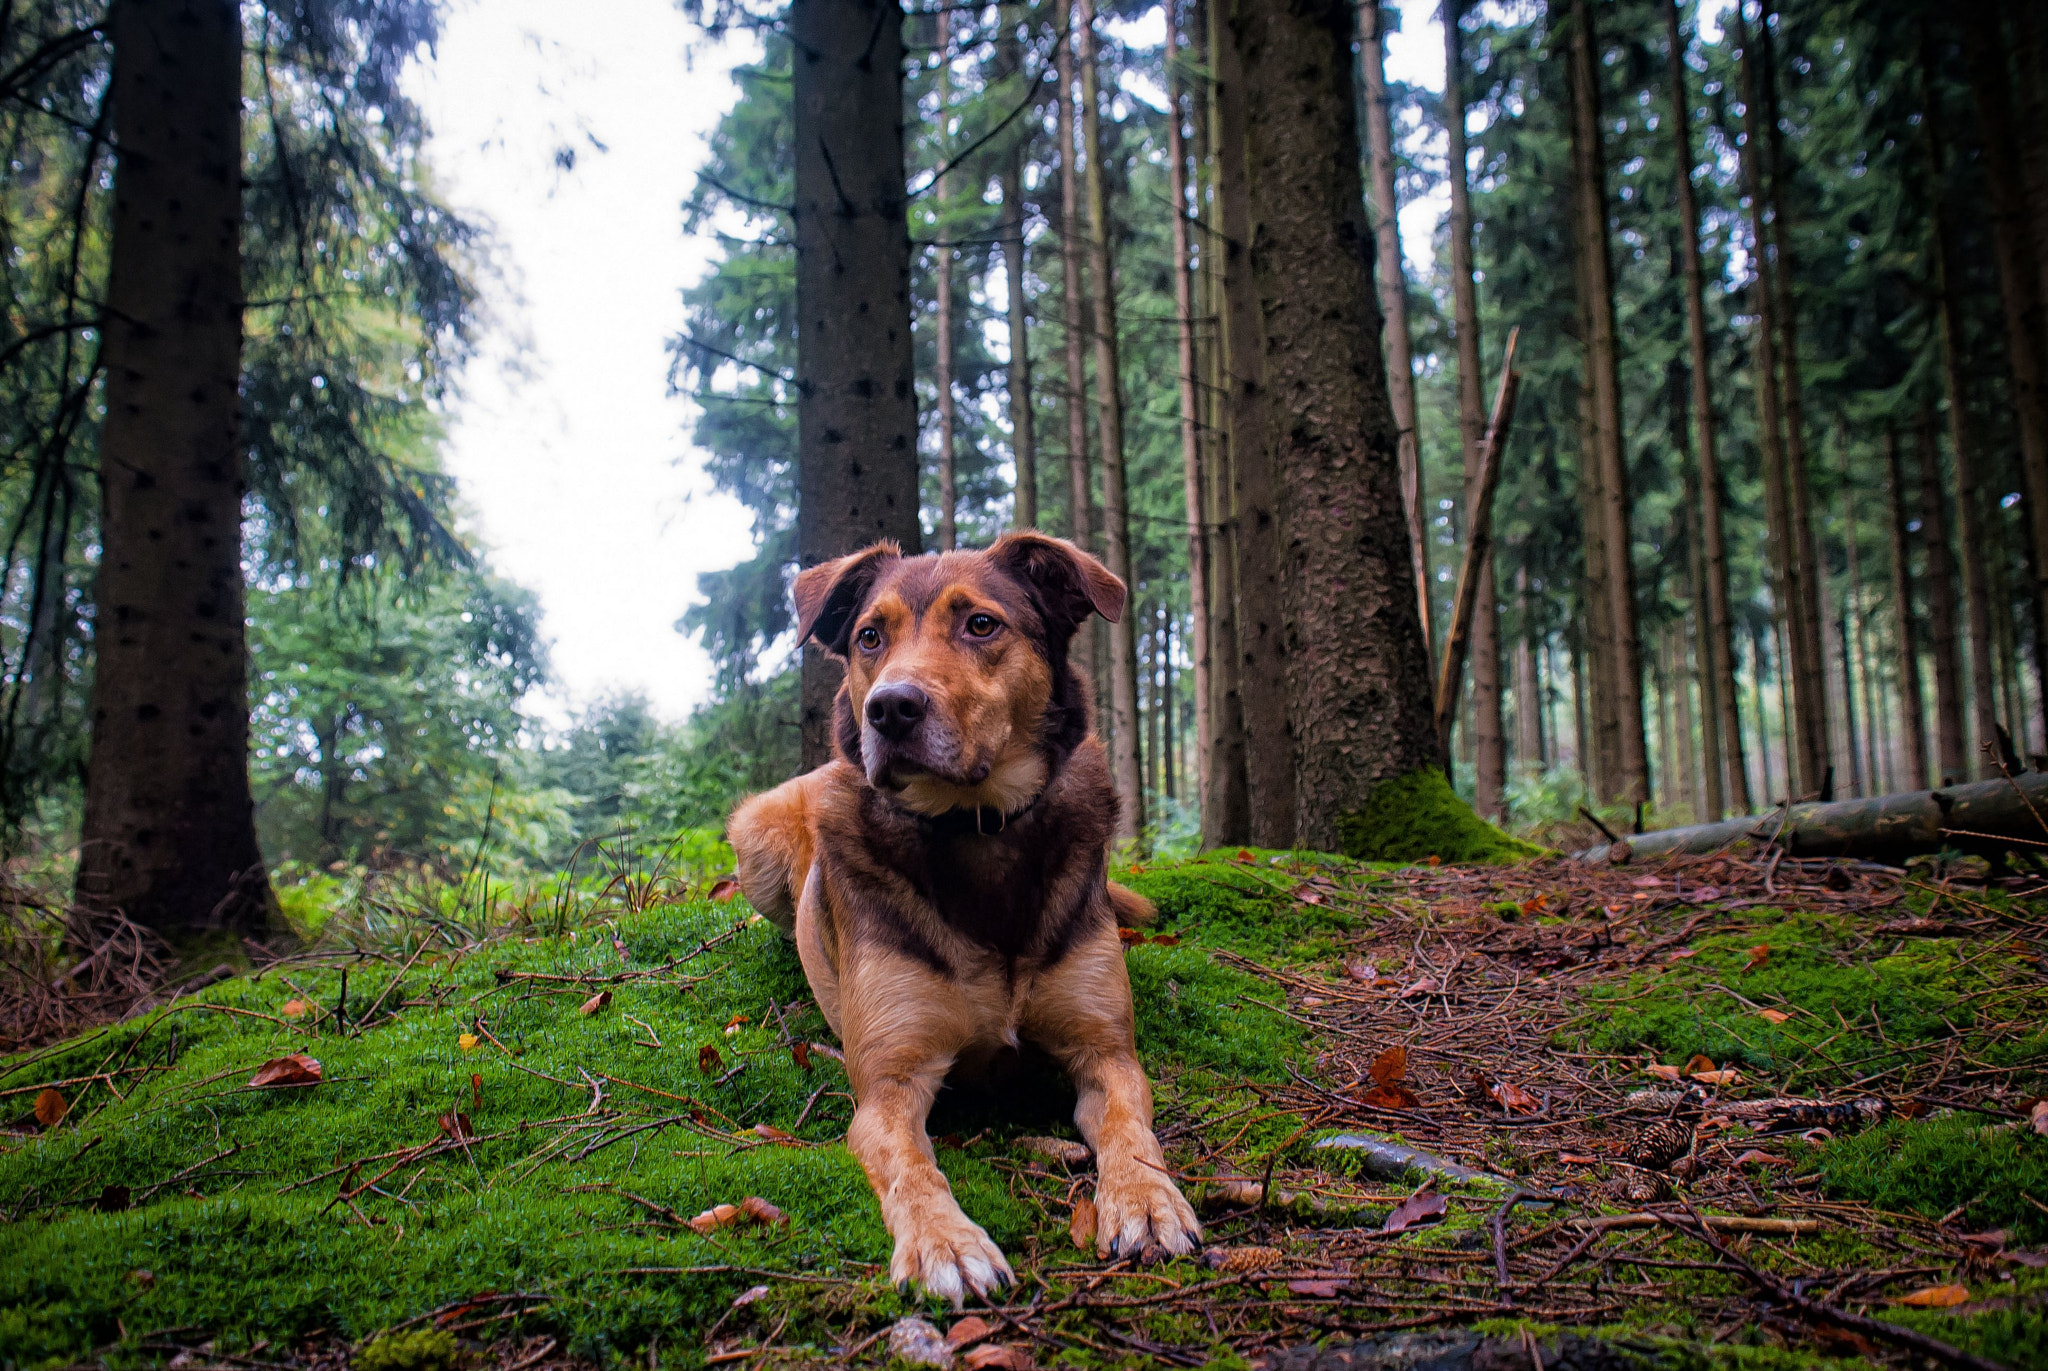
(1193, 1011)
(1222, 900)
(1418, 816)
(1935, 1165)
(421, 1349)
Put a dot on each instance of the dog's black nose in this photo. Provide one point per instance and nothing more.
(897, 709)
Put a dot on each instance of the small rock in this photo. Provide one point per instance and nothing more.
(919, 1343)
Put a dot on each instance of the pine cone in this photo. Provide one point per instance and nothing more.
(1242, 1258)
(1661, 1144)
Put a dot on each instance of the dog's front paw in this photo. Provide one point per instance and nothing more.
(948, 1254)
(1139, 1209)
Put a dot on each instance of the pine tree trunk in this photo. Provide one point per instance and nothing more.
(1124, 762)
(1489, 741)
(2018, 242)
(857, 407)
(1080, 527)
(1201, 576)
(1358, 672)
(1810, 680)
(1023, 425)
(1912, 706)
(1951, 759)
(2031, 128)
(169, 836)
(1631, 782)
(1226, 809)
(1528, 692)
(942, 380)
(1720, 706)
(1269, 735)
(1600, 713)
(1392, 279)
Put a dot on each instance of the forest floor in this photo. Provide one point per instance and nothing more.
(514, 1148)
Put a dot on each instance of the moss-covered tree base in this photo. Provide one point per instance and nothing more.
(1418, 816)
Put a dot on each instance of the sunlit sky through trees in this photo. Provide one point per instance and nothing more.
(576, 134)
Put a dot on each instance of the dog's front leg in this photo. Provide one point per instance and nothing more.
(1081, 1013)
(897, 1060)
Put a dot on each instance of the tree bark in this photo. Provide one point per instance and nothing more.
(2018, 245)
(1023, 422)
(1392, 279)
(942, 380)
(1358, 672)
(1489, 741)
(1528, 690)
(856, 398)
(1950, 757)
(1911, 703)
(1200, 575)
(1262, 647)
(1072, 251)
(1630, 781)
(169, 835)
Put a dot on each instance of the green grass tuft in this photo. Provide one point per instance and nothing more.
(1933, 1166)
(1418, 816)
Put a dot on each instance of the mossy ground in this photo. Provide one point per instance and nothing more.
(573, 1213)
(1418, 816)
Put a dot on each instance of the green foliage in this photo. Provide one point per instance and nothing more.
(1419, 815)
(1936, 1165)
(1221, 900)
(421, 1349)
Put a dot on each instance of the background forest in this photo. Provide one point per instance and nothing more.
(1822, 317)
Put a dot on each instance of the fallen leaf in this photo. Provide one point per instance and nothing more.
(1937, 1297)
(1706, 894)
(1665, 1073)
(1322, 1290)
(1535, 906)
(1241, 1258)
(455, 1124)
(1081, 1227)
(1308, 894)
(476, 1091)
(1166, 940)
(716, 1217)
(596, 1002)
(997, 1357)
(1433, 860)
(1698, 1062)
(2039, 1119)
(1423, 1205)
(973, 1328)
(760, 1211)
(468, 1041)
(708, 1060)
(1513, 1098)
(1728, 1077)
(724, 889)
(748, 1296)
(1424, 986)
(1756, 1158)
(1361, 971)
(1245, 856)
(297, 1069)
(918, 1343)
(1680, 955)
(1130, 937)
(776, 1135)
(1391, 1066)
(1058, 1149)
(1758, 955)
(802, 1053)
(1390, 1097)
(295, 1009)
(1577, 1159)
(1774, 1015)
(51, 1107)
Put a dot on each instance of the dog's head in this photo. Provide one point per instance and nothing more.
(958, 693)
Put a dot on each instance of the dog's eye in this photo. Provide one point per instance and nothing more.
(870, 639)
(982, 625)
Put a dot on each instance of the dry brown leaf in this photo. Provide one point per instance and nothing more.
(1316, 1289)
(1166, 940)
(1513, 1098)
(1390, 1067)
(596, 1002)
(1698, 1062)
(1425, 986)
(1308, 894)
(724, 889)
(1130, 937)
(1577, 1159)
(801, 1052)
(1390, 1097)
(998, 1357)
(761, 1212)
(749, 1295)
(297, 1069)
(1058, 1149)
(1361, 971)
(456, 1125)
(295, 1009)
(51, 1107)
(1727, 1077)
(1418, 1208)
(476, 1091)
(1937, 1297)
(1773, 1015)
(716, 1217)
(1758, 955)
(1756, 1158)
(973, 1328)
(708, 1060)
(1081, 1227)
(1665, 1073)
(1242, 1258)
(776, 1135)
(2039, 1119)
(1680, 955)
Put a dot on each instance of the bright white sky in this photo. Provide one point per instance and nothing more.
(572, 455)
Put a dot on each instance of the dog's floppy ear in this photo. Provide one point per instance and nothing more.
(828, 594)
(1068, 582)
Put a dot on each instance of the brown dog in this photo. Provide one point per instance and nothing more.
(944, 879)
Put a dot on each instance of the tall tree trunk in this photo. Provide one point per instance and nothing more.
(1358, 672)
(1392, 278)
(1023, 422)
(2031, 92)
(1970, 513)
(942, 343)
(1809, 653)
(1600, 719)
(1863, 760)
(1489, 741)
(169, 835)
(1719, 697)
(1193, 484)
(1603, 372)
(1912, 705)
(1124, 761)
(1575, 641)
(1951, 757)
(1758, 655)
(1713, 795)
(857, 406)
(1269, 735)
(1072, 252)
(2018, 242)
(1528, 691)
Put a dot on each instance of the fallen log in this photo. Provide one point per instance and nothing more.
(1982, 817)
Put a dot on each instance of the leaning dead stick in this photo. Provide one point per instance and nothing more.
(1826, 1313)
(1478, 541)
